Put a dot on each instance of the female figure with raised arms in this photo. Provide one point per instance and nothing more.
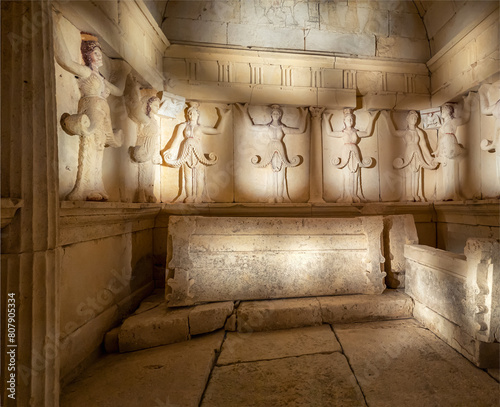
(449, 151)
(275, 155)
(351, 161)
(416, 156)
(186, 151)
(143, 105)
(92, 123)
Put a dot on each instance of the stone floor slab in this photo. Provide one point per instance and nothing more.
(173, 375)
(278, 314)
(392, 304)
(247, 347)
(311, 380)
(400, 363)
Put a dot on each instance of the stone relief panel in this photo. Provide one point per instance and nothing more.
(489, 96)
(271, 154)
(416, 157)
(450, 152)
(93, 122)
(346, 156)
(142, 106)
(198, 156)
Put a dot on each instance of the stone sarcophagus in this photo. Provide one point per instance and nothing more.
(457, 296)
(220, 259)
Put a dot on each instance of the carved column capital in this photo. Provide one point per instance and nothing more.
(316, 112)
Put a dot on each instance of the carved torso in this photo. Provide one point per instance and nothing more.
(93, 85)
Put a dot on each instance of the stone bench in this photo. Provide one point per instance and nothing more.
(219, 259)
(457, 296)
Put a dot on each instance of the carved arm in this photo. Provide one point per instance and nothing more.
(62, 54)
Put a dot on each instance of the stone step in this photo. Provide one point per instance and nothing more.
(154, 324)
(294, 313)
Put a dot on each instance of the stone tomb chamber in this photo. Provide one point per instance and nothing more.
(259, 202)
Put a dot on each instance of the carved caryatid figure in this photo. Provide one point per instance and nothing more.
(93, 120)
(489, 99)
(275, 155)
(142, 106)
(449, 151)
(351, 162)
(416, 156)
(186, 151)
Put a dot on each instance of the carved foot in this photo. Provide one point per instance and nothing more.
(97, 196)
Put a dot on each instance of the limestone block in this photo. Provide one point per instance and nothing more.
(369, 82)
(264, 36)
(403, 48)
(111, 341)
(278, 314)
(313, 380)
(209, 317)
(195, 30)
(221, 259)
(159, 326)
(436, 278)
(76, 346)
(360, 308)
(399, 230)
(231, 323)
(95, 275)
(408, 25)
(437, 16)
(250, 347)
(465, 292)
(352, 44)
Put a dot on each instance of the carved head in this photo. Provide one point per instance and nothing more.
(276, 112)
(412, 117)
(193, 113)
(348, 118)
(150, 100)
(447, 110)
(91, 50)
(152, 105)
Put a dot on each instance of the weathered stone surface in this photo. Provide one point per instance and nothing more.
(482, 354)
(111, 341)
(423, 369)
(391, 304)
(154, 300)
(220, 259)
(495, 373)
(209, 317)
(250, 347)
(312, 380)
(398, 231)
(173, 375)
(158, 326)
(357, 44)
(437, 279)
(464, 291)
(231, 323)
(278, 314)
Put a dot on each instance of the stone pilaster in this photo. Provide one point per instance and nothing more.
(316, 158)
(30, 257)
